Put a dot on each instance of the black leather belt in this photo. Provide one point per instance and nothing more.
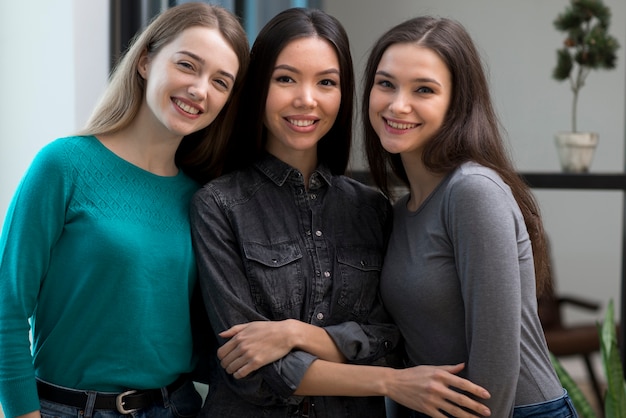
(124, 403)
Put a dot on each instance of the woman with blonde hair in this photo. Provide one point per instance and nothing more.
(96, 251)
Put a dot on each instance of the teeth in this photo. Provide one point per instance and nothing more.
(396, 125)
(186, 108)
(301, 123)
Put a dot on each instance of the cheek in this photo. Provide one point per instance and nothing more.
(373, 108)
(334, 106)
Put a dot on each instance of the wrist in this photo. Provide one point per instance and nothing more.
(295, 338)
(386, 381)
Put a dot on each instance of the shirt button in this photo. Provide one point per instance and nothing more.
(318, 233)
(320, 316)
(313, 196)
(327, 274)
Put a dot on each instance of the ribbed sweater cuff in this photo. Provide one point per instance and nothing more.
(18, 397)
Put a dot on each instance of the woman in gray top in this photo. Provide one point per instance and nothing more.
(459, 278)
(290, 250)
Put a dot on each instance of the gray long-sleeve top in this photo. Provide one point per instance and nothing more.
(459, 281)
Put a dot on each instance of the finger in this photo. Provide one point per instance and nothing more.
(469, 387)
(226, 349)
(243, 371)
(454, 369)
(456, 411)
(232, 364)
(456, 400)
(231, 331)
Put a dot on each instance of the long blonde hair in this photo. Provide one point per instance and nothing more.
(200, 153)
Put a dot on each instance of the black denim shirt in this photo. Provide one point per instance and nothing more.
(268, 249)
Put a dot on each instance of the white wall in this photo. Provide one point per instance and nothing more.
(519, 45)
(54, 67)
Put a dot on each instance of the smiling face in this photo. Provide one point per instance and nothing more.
(189, 80)
(409, 98)
(303, 99)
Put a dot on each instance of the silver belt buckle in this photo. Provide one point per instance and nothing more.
(119, 403)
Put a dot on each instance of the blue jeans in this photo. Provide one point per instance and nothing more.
(557, 408)
(182, 403)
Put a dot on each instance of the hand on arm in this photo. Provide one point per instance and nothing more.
(255, 344)
(428, 389)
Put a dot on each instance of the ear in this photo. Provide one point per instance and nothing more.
(143, 64)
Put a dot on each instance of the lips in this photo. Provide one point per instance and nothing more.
(186, 108)
(400, 125)
(301, 123)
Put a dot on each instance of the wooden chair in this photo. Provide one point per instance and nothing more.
(580, 339)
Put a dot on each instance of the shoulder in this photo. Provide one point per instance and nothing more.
(67, 148)
(475, 182)
(57, 153)
(230, 187)
(476, 192)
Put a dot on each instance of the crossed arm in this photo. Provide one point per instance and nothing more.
(429, 389)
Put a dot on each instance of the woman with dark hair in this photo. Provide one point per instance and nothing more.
(290, 250)
(96, 252)
(467, 255)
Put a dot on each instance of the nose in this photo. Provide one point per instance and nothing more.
(305, 98)
(400, 103)
(198, 90)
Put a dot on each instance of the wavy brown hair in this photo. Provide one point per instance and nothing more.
(470, 130)
(201, 153)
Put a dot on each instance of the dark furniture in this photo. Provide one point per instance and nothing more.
(592, 181)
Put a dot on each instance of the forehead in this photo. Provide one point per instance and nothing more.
(206, 43)
(410, 57)
(310, 51)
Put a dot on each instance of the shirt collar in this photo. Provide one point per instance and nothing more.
(278, 171)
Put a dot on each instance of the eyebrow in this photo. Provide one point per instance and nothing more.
(295, 70)
(419, 79)
(202, 61)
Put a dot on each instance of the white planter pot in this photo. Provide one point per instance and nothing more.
(576, 150)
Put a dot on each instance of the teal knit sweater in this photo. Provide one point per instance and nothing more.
(96, 254)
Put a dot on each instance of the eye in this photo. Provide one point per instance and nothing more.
(424, 89)
(222, 84)
(384, 84)
(186, 65)
(328, 82)
(284, 79)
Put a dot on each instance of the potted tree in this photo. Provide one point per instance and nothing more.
(587, 46)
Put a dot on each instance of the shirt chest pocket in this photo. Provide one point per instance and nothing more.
(276, 279)
(360, 274)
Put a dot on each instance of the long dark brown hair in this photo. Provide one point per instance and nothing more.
(249, 139)
(470, 130)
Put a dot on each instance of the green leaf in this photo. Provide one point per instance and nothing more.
(615, 399)
(582, 405)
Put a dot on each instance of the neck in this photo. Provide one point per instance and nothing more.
(139, 147)
(422, 181)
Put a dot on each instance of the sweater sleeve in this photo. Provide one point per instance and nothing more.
(34, 221)
(226, 293)
(484, 225)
